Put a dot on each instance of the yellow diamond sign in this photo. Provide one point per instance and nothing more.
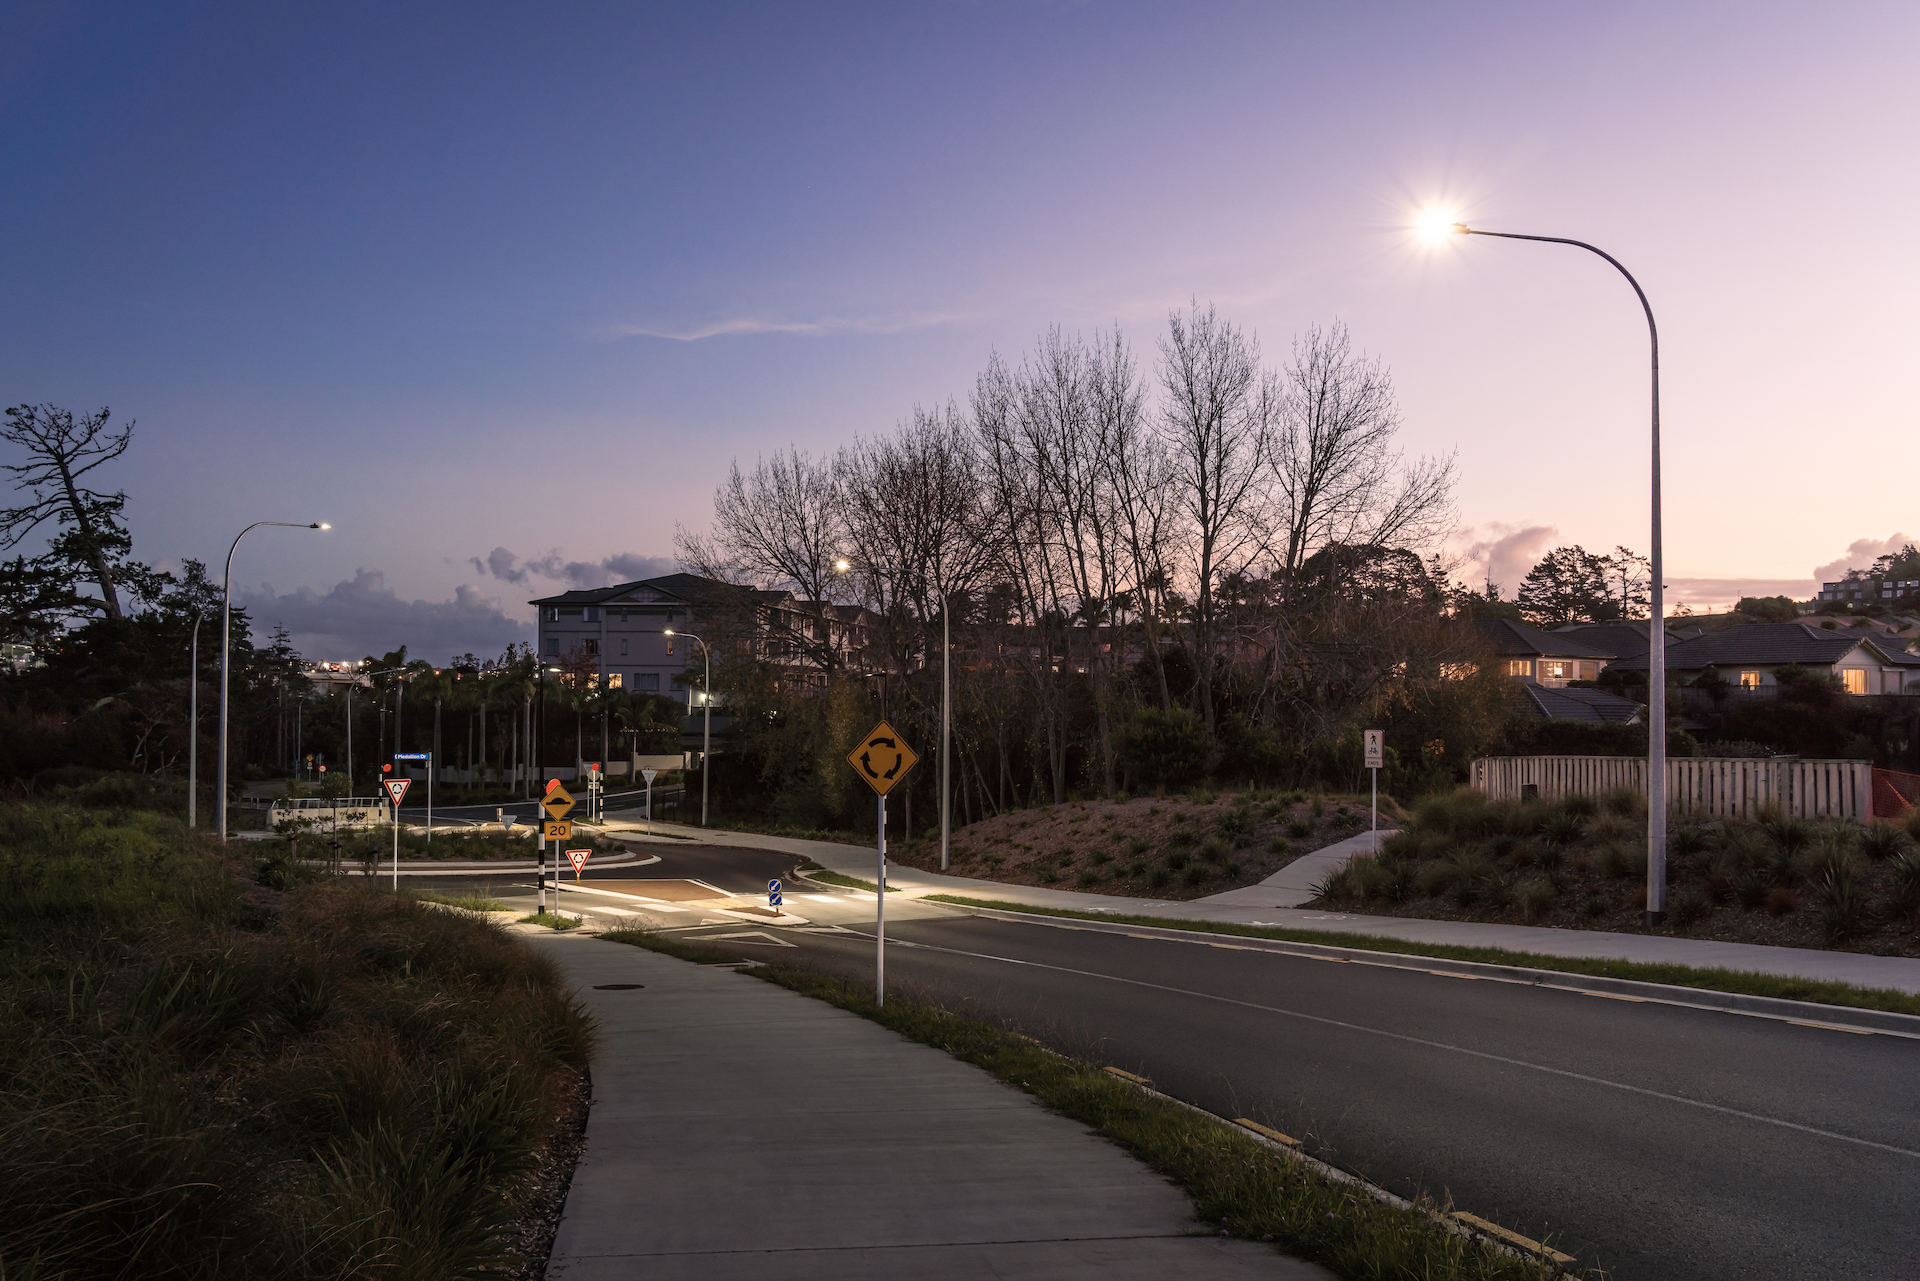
(557, 803)
(882, 758)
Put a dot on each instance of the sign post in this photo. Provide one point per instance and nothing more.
(1376, 745)
(648, 775)
(773, 896)
(881, 759)
(558, 803)
(427, 757)
(397, 788)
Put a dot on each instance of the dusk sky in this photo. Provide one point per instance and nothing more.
(501, 291)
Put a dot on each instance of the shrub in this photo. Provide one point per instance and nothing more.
(1087, 877)
(1789, 835)
(1196, 873)
(1843, 904)
(1180, 839)
(1202, 796)
(1099, 857)
(1905, 897)
(1159, 876)
(1563, 827)
(1621, 861)
(1317, 806)
(1688, 838)
(1883, 841)
(1780, 901)
(1138, 867)
(1176, 859)
(1167, 747)
(1624, 801)
(1750, 888)
(1231, 868)
(1212, 850)
(1593, 905)
(1235, 825)
(1276, 844)
(1044, 873)
(1136, 846)
(1300, 828)
(1536, 898)
(1690, 906)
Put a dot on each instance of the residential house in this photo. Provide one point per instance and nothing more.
(1867, 591)
(1542, 658)
(1624, 639)
(1596, 705)
(1751, 655)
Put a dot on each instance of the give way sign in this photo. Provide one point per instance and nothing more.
(397, 788)
(579, 860)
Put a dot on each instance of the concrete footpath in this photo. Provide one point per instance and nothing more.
(1274, 903)
(742, 1130)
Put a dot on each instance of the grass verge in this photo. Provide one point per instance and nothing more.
(698, 953)
(201, 1077)
(1249, 1189)
(552, 920)
(1741, 982)
(468, 902)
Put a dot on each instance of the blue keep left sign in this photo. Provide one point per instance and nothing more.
(773, 893)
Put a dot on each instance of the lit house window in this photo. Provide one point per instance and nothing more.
(1556, 669)
(1519, 667)
(1749, 680)
(1855, 679)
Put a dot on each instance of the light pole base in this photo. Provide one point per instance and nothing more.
(1656, 918)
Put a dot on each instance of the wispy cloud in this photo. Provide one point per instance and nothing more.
(363, 615)
(743, 326)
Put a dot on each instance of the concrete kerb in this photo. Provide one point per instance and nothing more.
(1839, 1016)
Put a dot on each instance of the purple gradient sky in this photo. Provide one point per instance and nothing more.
(467, 278)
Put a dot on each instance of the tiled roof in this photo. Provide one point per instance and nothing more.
(1580, 705)
(1509, 637)
(1621, 639)
(1770, 644)
(684, 587)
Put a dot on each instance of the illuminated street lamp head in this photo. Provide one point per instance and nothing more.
(842, 565)
(668, 631)
(320, 525)
(1435, 225)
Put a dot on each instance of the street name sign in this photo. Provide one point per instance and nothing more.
(413, 756)
(556, 830)
(882, 758)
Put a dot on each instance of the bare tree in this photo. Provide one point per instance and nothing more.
(1338, 477)
(61, 450)
(1215, 417)
(781, 527)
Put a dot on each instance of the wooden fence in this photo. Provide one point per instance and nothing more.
(1711, 786)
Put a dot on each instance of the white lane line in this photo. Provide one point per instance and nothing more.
(1435, 1045)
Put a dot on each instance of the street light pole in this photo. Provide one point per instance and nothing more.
(193, 724)
(1656, 626)
(226, 645)
(706, 736)
(946, 719)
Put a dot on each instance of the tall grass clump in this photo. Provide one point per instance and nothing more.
(201, 1077)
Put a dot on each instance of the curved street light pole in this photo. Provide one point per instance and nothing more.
(226, 644)
(706, 738)
(193, 724)
(1656, 626)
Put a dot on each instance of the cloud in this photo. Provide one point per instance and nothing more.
(362, 615)
(1502, 555)
(749, 325)
(1725, 593)
(624, 567)
(1861, 553)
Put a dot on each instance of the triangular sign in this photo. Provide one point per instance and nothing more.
(579, 860)
(397, 788)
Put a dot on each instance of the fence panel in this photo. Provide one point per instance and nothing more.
(1710, 786)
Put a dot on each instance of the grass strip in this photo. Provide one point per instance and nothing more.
(1739, 982)
(848, 882)
(552, 920)
(697, 952)
(468, 902)
(1249, 1189)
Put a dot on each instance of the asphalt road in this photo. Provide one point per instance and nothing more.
(1646, 1139)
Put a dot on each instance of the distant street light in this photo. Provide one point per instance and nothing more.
(1656, 627)
(226, 640)
(706, 741)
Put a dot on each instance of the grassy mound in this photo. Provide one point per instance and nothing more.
(201, 1077)
(1582, 862)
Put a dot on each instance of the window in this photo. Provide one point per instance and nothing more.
(1855, 679)
(1749, 680)
(590, 646)
(1556, 669)
(553, 646)
(593, 613)
(613, 681)
(623, 644)
(1519, 667)
(648, 681)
